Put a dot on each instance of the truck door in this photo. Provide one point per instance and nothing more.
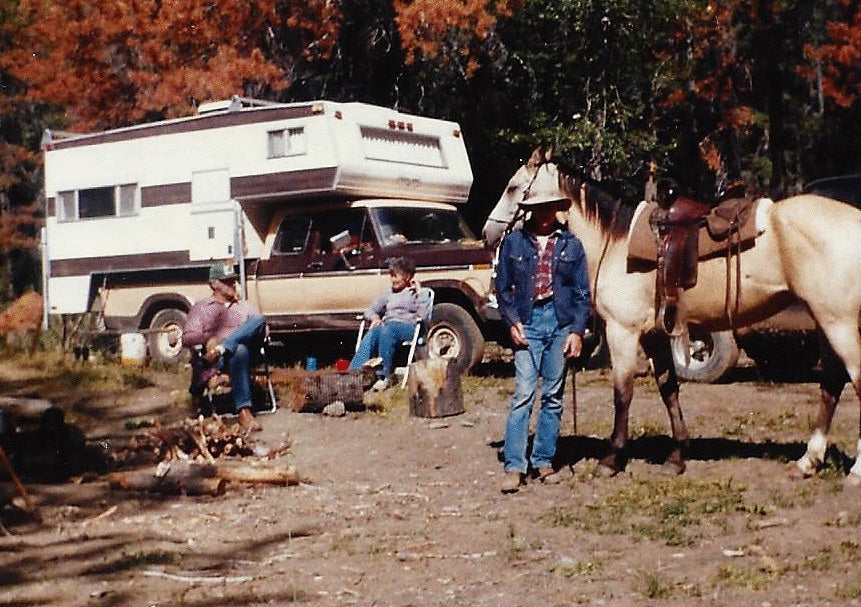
(324, 270)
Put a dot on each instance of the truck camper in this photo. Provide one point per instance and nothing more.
(309, 199)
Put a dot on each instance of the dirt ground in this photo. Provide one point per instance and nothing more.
(403, 511)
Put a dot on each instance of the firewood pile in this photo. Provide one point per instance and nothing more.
(199, 457)
(203, 439)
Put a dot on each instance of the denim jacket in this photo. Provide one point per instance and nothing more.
(515, 276)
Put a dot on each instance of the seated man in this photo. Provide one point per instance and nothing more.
(393, 316)
(230, 330)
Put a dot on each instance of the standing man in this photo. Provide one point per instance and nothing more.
(542, 282)
(231, 330)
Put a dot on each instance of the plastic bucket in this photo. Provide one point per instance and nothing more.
(132, 349)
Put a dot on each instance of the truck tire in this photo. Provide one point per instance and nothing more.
(164, 340)
(712, 356)
(454, 335)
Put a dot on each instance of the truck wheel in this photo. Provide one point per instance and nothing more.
(165, 337)
(454, 335)
(712, 355)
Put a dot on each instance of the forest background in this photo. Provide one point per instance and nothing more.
(764, 92)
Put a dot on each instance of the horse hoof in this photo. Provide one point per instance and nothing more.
(609, 465)
(805, 467)
(674, 468)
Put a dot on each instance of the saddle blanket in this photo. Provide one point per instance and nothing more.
(713, 237)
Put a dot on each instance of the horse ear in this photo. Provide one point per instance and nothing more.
(537, 157)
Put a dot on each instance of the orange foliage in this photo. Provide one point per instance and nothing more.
(424, 25)
(840, 60)
(117, 62)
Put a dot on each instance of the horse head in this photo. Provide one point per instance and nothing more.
(539, 176)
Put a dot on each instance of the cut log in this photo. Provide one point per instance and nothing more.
(247, 473)
(172, 478)
(434, 388)
(311, 391)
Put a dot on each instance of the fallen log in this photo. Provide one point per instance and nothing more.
(248, 473)
(310, 391)
(178, 477)
(172, 478)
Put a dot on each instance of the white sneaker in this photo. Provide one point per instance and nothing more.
(380, 385)
(373, 363)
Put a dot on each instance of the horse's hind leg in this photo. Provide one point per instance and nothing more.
(841, 361)
(656, 344)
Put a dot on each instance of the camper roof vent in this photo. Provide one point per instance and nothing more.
(231, 105)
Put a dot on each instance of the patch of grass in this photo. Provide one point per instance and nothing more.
(653, 585)
(850, 590)
(647, 429)
(742, 577)
(845, 519)
(135, 379)
(850, 550)
(515, 545)
(576, 569)
(823, 561)
(657, 509)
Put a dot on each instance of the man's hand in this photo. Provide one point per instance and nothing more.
(376, 321)
(573, 345)
(517, 337)
(213, 350)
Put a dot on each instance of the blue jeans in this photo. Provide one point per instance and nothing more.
(382, 339)
(544, 359)
(240, 347)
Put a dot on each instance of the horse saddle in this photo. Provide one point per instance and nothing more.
(689, 231)
(673, 237)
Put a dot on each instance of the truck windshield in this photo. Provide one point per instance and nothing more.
(403, 225)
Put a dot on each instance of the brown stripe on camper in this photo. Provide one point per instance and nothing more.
(275, 185)
(188, 125)
(169, 193)
(118, 263)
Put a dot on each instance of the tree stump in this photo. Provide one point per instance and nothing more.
(434, 388)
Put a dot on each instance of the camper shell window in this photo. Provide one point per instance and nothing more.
(286, 142)
(108, 201)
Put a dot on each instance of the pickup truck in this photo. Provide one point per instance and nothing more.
(308, 200)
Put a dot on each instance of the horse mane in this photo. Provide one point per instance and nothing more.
(598, 205)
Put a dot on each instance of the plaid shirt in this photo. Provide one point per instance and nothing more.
(210, 318)
(544, 272)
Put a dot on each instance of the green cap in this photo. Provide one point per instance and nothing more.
(222, 271)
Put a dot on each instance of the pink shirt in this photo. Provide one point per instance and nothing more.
(211, 318)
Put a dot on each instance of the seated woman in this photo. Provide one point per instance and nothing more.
(393, 316)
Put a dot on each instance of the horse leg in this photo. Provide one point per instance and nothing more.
(656, 345)
(622, 344)
(840, 348)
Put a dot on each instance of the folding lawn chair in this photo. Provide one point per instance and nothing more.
(426, 298)
(220, 399)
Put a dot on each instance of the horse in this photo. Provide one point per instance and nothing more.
(809, 250)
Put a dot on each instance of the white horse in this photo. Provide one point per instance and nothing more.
(809, 250)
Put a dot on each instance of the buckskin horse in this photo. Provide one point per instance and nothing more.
(807, 248)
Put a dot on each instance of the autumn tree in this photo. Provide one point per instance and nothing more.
(116, 62)
(743, 90)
